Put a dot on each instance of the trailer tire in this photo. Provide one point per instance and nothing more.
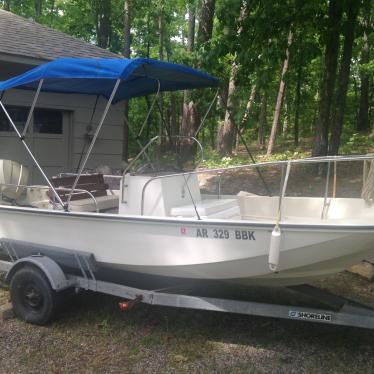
(34, 301)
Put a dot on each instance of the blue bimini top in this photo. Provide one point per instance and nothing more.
(97, 76)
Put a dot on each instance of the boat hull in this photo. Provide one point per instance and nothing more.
(235, 251)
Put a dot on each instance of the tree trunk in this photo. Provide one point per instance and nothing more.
(190, 122)
(363, 114)
(7, 5)
(38, 8)
(126, 54)
(172, 111)
(286, 120)
(186, 116)
(204, 33)
(226, 132)
(250, 102)
(320, 146)
(52, 12)
(345, 66)
(191, 27)
(173, 114)
(297, 102)
(262, 120)
(278, 103)
(243, 122)
(148, 45)
(191, 116)
(103, 10)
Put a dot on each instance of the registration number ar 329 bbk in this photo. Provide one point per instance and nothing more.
(225, 234)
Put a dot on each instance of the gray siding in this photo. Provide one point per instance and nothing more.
(107, 150)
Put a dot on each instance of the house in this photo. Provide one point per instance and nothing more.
(61, 125)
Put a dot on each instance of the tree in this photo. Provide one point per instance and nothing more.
(204, 33)
(297, 101)
(262, 119)
(191, 26)
(345, 65)
(278, 103)
(103, 22)
(7, 5)
(244, 120)
(210, 40)
(38, 8)
(191, 116)
(226, 133)
(286, 119)
(363, 115)
(320, 146)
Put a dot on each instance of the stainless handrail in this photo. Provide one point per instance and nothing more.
(269, 163)
(72, 191)
(311, 160)
(57, 189)
(327, 186)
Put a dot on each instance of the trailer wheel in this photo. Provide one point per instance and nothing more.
(33, 299)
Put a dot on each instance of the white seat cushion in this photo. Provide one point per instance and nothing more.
(214, 208)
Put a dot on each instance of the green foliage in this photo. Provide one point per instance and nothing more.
(357, 143)
(253, 34)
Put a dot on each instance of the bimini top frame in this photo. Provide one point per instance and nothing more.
(114, 79)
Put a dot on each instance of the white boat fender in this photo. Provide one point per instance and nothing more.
(275, 242)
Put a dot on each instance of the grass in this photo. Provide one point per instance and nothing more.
(93, 336)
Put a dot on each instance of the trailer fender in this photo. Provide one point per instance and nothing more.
(49, 268)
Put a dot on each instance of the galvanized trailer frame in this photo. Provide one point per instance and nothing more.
(342, 312)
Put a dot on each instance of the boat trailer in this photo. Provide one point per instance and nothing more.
(340, 311)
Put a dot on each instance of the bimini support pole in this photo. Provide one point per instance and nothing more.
(118, 81)
(32, 108)
(150, 110)
(22, 138)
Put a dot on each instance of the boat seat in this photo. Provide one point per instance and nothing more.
(81, 201)
(209, 208)
(15, 174)
(104, 203)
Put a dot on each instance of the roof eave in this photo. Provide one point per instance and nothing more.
(19, 59)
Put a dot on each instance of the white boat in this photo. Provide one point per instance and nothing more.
(164, 225)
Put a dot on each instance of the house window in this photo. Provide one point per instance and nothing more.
(17, 114)
(45, 121)
(48, 121)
